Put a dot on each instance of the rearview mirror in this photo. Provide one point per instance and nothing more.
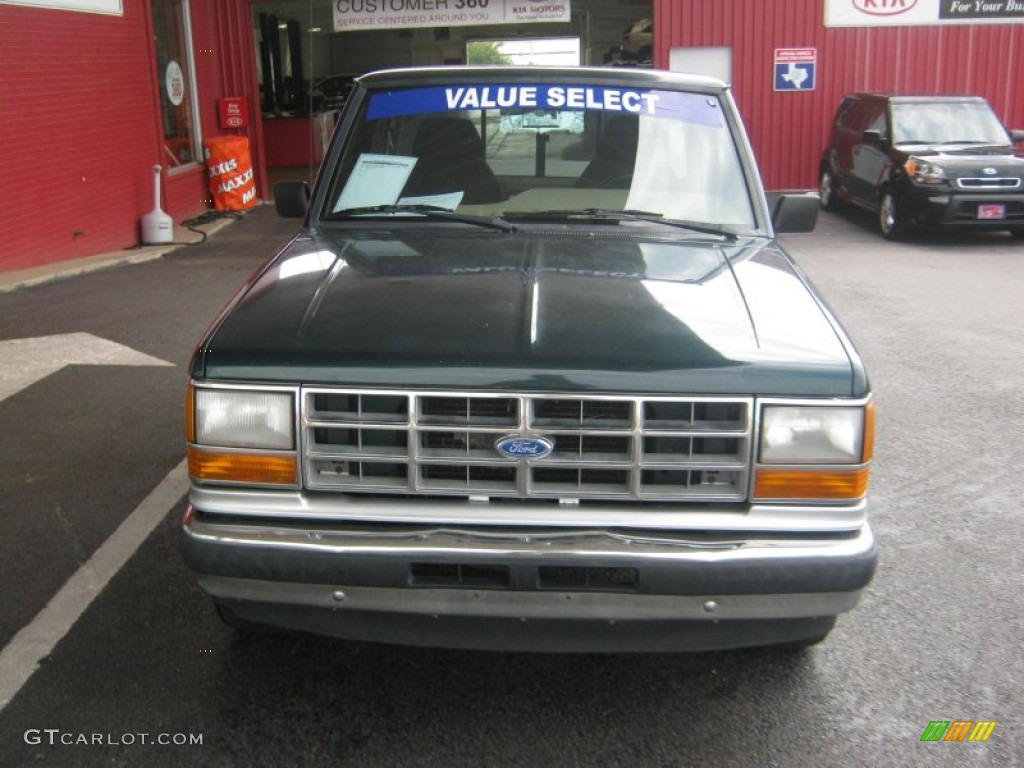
(291, 199)
(795, 212)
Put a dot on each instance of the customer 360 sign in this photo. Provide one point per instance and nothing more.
(392, 14)
(174, 82)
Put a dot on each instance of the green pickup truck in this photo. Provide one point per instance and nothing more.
(533, 375)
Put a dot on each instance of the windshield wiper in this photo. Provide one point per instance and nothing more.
(429, 211)
(623, 215)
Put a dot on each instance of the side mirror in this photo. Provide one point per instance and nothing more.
(291, 199)
(871, 136)
(1017, 135)
(795, 212)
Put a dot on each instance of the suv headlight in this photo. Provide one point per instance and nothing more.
(814, 452)
(923, 172)
(259, 425)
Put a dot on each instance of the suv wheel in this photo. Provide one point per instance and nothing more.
(827, 190)
(890, 218)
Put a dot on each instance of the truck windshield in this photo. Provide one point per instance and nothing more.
(513, 150)
(954, 122)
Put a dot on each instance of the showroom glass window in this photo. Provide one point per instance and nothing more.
(172, 38)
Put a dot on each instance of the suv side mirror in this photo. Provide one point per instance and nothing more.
(291, 199)
(795, 212)
(872, 136)
(1017, 135)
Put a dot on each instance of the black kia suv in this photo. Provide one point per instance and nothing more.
(924, 161)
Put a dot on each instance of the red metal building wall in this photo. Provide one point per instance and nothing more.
(80, 130)
(788, 129)
(234, 47)
(77, 106)
(225, 57)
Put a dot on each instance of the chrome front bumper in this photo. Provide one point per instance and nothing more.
(481, 587)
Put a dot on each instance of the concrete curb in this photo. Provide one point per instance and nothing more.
(48, 273)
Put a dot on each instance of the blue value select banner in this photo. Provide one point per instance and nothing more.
(690, 107)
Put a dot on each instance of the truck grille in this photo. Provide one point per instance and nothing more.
(621, 448)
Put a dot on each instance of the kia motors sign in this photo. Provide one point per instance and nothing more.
(885, 13)
(394, 14)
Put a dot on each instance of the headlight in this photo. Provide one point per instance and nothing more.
(812, 435)
(242, 419)
(924, 172)
(814, 453)
(241, 436)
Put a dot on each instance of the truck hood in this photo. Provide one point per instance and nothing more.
(449, 308)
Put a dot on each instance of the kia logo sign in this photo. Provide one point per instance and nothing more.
(516, 447)
(883, 7)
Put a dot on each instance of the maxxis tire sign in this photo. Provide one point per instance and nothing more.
(394, 14)
(888, 13)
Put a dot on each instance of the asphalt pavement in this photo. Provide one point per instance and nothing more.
(937, 636)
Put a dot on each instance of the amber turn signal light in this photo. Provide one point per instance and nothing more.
(190, 414)
(823, 485)
(869, 432)
(220, 466)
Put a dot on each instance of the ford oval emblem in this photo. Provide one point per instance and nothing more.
(518, 447)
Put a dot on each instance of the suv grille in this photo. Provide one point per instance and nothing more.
(644, 449)
(1006, 182)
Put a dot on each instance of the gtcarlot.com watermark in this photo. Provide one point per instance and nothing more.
(56, 737)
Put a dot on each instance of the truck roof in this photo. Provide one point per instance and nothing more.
(501, 74)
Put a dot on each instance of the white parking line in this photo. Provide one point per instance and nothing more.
(20, 659)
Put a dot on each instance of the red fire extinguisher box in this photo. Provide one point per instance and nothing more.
(233, 112)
